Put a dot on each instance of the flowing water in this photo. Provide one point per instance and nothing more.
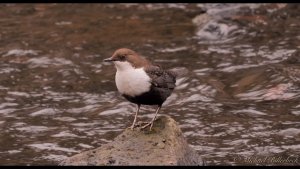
(240, 100)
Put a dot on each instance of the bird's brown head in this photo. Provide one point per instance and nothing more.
(123, 57)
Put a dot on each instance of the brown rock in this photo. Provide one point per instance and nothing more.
(164, 145)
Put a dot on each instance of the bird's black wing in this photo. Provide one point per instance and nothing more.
(161, 78)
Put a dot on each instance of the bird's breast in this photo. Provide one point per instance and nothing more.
(133, 82)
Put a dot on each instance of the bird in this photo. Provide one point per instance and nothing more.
(142, 82)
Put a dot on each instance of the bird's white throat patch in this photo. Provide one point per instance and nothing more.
(131, 81)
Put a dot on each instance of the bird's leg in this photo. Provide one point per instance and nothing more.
(151, 122)
(135, 117)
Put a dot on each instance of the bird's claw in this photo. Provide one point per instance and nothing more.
(148, 124)
(131, 127)
(136, 125)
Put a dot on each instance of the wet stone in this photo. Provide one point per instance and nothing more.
(138, 144)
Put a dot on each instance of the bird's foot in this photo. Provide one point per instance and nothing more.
(148, 124)
(131, 127)
(138, 124)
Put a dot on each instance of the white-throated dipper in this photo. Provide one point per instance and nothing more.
(142, 82)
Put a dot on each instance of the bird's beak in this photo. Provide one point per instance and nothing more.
(108, 60)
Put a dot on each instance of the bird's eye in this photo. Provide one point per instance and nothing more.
(122, 57)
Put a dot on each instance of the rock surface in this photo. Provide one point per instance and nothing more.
(164, 145)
